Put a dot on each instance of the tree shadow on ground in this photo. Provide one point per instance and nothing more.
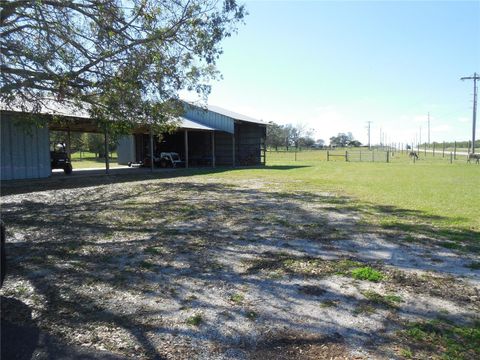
(87, 178)
(139, 260)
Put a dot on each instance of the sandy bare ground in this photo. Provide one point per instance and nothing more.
(194, 268)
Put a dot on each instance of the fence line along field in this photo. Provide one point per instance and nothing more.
(365, 155)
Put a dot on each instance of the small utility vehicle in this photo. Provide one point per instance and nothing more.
(59, 158)
(170, 159)
(163, 160)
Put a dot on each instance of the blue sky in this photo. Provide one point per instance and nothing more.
(335, 65)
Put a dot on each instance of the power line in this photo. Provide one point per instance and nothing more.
(475, 77)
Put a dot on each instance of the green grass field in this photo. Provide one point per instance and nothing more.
(431, 197)
(88, 160)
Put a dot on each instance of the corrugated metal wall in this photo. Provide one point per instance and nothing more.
(25, 154)
(126, 150)
(210, 118)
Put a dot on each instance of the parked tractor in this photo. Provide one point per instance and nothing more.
(59, 158)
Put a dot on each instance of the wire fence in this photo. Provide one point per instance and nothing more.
(376, 155)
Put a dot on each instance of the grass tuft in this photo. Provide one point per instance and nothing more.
(389, 300)
(367, 273)
(444, 339)
(195, 320)
(237, 298)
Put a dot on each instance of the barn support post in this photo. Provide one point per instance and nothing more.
(151, 148)
(186, 149)
(69, 141)
(213, 148)
(233, 150)
(107, 160)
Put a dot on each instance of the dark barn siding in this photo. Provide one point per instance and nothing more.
(223, 148)
(249, 143)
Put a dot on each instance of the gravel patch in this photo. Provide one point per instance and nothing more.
(194, 268)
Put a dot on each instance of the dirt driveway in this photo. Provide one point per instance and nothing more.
(194, 268)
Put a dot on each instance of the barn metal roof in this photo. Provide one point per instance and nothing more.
(234, 115)
(74, 110)
(189, 124)
(49, 106)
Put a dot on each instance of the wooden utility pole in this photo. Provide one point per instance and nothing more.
(475, 77)
(368, 127)
(428, 128)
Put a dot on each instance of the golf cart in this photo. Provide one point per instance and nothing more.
(59, 158)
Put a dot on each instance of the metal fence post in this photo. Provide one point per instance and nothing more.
(451, 157)
(388, 157)
(455, 151)
(328, 155)
(346, 156)
(443, 149)
(434, 148)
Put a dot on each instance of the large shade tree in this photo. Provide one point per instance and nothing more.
(126, 59)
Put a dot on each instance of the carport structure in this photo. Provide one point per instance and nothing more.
(204, 137)
(194, 142)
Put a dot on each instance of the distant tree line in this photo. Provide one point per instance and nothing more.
(288, 136)
(344, 140)
(84, 142)
(460, 144)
